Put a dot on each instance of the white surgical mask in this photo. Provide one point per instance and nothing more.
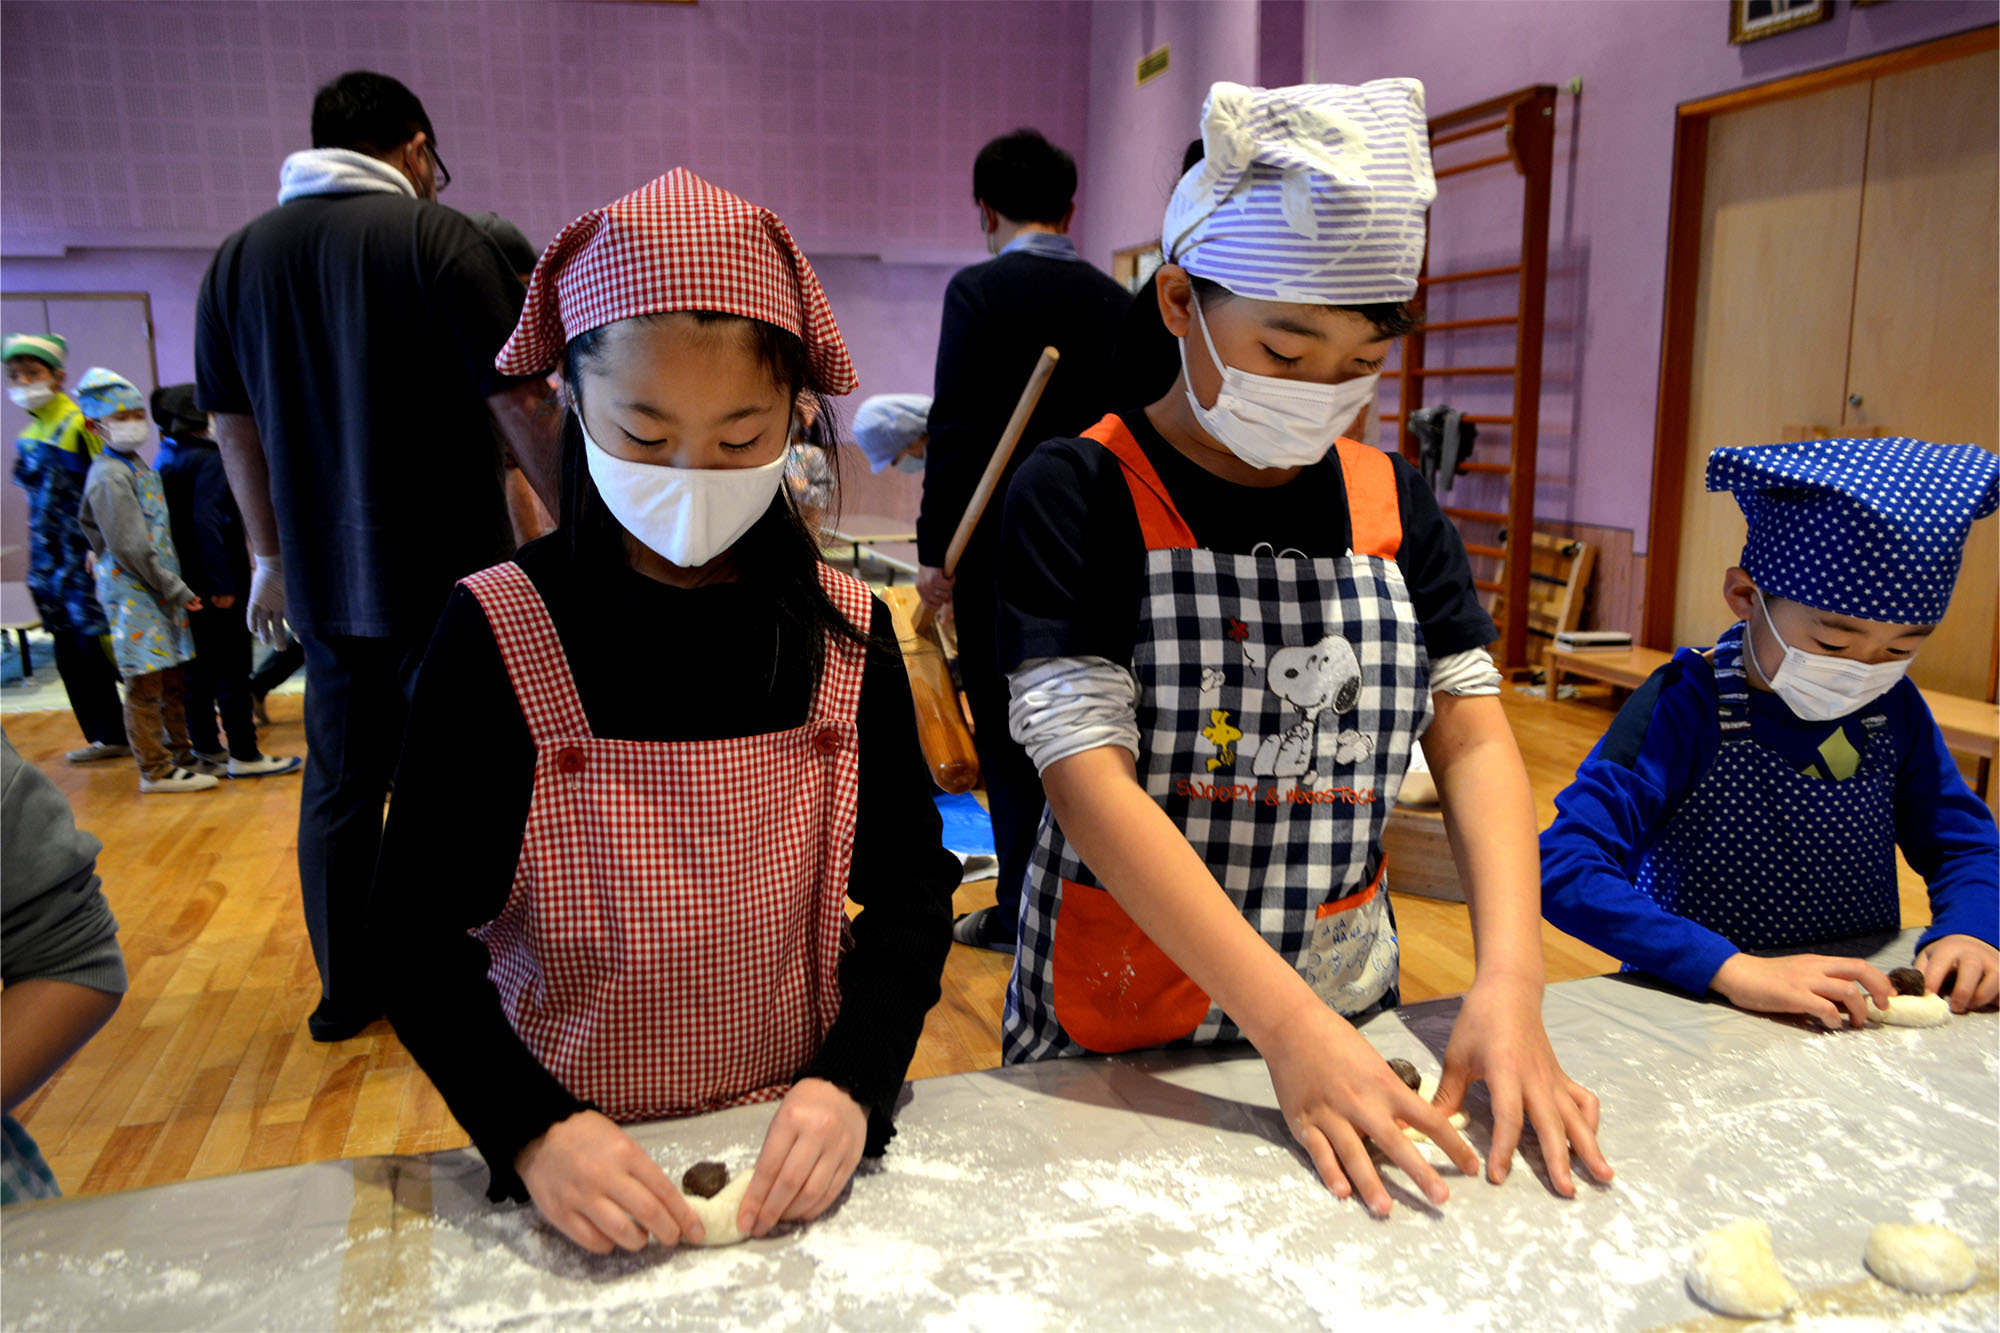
(126, 436)
(1820, 688)
(912, 463)
(686, 515)
(1272, 422)
(31, 396)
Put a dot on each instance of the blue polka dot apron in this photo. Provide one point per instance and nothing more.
(1279, 696)
(147, 635)
(1770, 857)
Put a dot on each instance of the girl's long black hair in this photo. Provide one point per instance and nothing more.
(780, 552)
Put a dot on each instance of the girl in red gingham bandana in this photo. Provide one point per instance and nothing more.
(651, 758)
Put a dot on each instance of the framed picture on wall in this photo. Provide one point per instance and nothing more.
(1750, 20)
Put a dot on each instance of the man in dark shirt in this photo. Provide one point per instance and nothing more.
(345, 343)
(998, 316)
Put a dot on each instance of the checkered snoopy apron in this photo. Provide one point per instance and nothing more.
(673, 937)
(1279, 697)
(1770, 857)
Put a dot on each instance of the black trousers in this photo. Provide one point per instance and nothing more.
(91, 682)
(1013, 788)
(219, 680)
(277, 669)
(357, 706)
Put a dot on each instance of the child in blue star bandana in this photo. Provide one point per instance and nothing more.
(1749, 799)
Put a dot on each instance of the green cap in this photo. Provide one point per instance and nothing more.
(51, 349)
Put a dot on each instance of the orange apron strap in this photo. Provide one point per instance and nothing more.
(1159, 522)
(1372, 504)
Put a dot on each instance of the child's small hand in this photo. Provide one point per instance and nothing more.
(810, 1152)
(596, 1185)
(1803, 983)
(1499, 1038)
(1977, 964)
(193, 604)
(1337, 1093)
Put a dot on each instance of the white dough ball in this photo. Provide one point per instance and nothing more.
(718, 1215)
(1735, 1272)
(1912, 1011)
(1919, 1257)
(1427, 1089)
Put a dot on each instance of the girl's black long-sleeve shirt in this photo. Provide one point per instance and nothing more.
(651, 663)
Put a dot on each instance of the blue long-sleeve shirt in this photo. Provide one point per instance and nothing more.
(1660, 745)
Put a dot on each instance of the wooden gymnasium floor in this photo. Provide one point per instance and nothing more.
(206, 1068)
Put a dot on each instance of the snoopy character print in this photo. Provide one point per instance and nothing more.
(1279, 697)
(1321, 681)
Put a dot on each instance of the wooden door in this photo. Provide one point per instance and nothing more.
(113, 331)
(1781, 216)
(1925, 352)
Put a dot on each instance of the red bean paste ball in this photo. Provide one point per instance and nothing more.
(705, 1180)
(1907, 981)
(1407, 1072)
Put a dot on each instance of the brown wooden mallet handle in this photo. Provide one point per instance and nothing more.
(941, 729)
(996, 466)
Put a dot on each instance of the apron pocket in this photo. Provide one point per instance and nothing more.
(1351, 959)
(1114, 988)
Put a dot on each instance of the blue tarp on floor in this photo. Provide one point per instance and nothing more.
(967, 828)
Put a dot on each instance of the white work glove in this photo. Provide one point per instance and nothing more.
(266, 609)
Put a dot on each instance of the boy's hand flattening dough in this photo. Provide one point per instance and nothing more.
(1499, 1037)
(1976, 964)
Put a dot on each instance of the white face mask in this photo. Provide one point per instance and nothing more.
(1820, 688)
(911, 463)
(31, 396)
(686, 515)
(1272, 422)
(126, 435)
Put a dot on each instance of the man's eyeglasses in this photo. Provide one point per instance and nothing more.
(443, 173)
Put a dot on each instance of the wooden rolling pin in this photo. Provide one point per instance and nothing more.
(996, 466)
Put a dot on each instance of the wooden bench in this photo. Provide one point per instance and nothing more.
(1970, 726)
(18, 614)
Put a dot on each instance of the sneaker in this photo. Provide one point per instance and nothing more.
(214, 765)
(265, 766)
(95, 751)
(178, 780)
(984, 929)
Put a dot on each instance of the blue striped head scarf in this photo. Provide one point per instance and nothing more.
(1873, 529)
(1314, 194)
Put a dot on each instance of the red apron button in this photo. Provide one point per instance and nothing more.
(569, 760)
(828, 741)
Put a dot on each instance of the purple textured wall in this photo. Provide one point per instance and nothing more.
(1613, 179)
(164, 124)
(136, 136)
(1137, 134)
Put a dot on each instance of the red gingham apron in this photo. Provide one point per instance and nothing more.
(672, 941)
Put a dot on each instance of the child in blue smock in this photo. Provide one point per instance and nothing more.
(124, 518)
(1749, 799)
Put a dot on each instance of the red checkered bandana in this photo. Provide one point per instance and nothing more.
(678, 243)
